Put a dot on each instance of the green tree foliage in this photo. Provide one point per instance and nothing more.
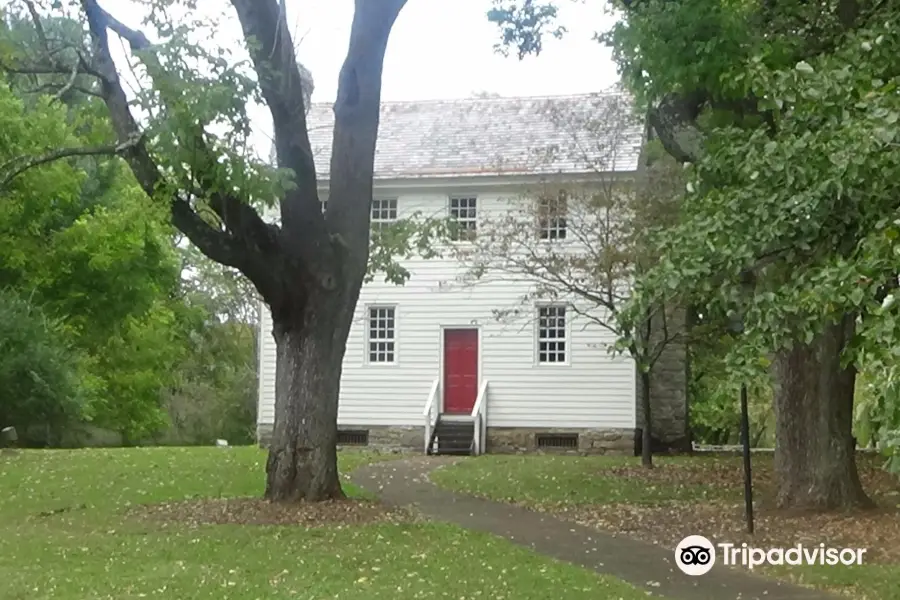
(800, 182)
(215, 388)
(715, 392)
(221, 291)
(192, 153)
(79, 239)
(786, 113)
(214, 391)
(94, 256)
(41, 375)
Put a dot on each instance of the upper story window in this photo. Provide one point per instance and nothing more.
(381, 334)
(551, 335)
(384, 212)
(552, 216)
(464, 215)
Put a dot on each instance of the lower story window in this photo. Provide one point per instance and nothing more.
(551, 334)
(382, 334)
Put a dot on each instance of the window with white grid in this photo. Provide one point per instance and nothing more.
(552, 213)
(384, 212)
(382, 334)
(463, 214)
(551, 334)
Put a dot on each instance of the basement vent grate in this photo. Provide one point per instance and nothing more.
(353, 438)
(557, 440)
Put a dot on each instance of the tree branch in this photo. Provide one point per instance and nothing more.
(357, 114)
(60, 89)
(19, 165)
(264, 25)
(238, 217)
(217, 245)
(70, 82)
(38, 26)
(674, 121)
(355, 131)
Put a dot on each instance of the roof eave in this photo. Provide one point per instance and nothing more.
(487, 180)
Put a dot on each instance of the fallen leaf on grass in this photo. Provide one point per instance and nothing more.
(256, 511)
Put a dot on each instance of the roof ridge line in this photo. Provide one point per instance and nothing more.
(471, 99)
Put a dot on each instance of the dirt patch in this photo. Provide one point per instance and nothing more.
(727, 474)
(879, 531)
(256, 511)
(708, 472)
(723, 519)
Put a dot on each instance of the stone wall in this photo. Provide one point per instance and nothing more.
(500, 440)
(668, 387)
(387, 438)
(396, 438)
(507, 440)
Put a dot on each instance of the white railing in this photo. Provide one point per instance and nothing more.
(479, 418)
(431, 412)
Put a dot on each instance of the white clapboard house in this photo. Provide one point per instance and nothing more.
(428, 365)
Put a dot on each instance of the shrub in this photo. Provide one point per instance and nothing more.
(43, 391)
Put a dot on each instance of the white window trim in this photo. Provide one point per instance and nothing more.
(378, 223)
(368, 316)
(537, 335)
(450, 200)
(541, 229)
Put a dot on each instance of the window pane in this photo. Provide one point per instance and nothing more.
(381, 334)
(551, 334)
(384, 211)
(463, 212)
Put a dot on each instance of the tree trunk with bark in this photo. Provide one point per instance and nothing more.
(815, 458)
(302, 463)
(309, 269)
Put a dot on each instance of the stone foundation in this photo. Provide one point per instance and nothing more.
(380, 437)
(395, 438)
(263, 434)
(500, 440)
(519, 440)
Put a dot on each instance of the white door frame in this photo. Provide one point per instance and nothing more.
(443, 329)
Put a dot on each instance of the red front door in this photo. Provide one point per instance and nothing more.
(460, 370)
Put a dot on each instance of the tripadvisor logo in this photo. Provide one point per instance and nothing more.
(696, 555)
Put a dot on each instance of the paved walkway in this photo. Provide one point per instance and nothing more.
(405, 482)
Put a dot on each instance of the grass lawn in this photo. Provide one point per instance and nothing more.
(700, 495)
(547, 481)
(78, 525)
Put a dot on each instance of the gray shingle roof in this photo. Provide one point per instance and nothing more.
(489, 136)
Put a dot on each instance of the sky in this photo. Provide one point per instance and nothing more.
(444, 49)
(437, 49)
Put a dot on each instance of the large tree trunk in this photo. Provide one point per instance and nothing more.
(310, 268)
(815, 460)
(310, 344)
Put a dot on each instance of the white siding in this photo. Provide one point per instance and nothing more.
(592, 389)
(265, 413)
